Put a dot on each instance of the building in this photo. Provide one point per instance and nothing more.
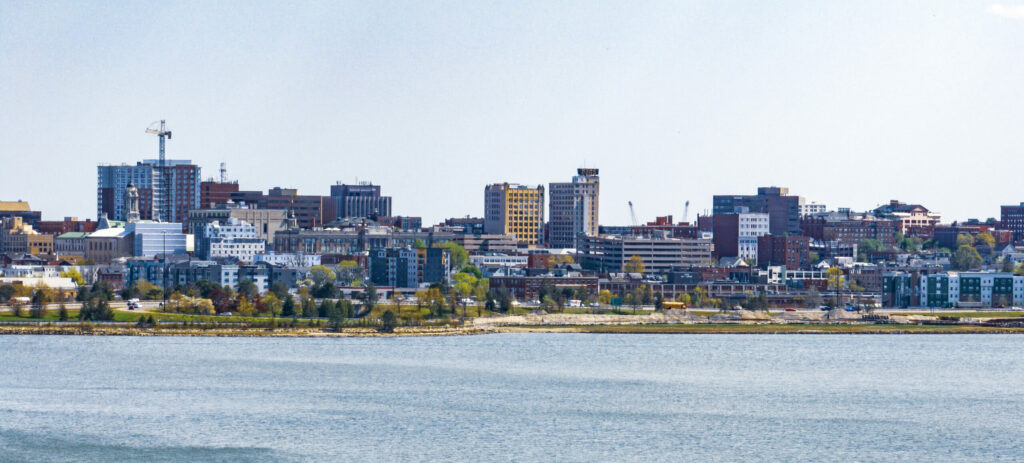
(395, 267)
(150, 239)
(783, 209)
(573, 209)
(352, 241)
(811, 208)
(213, 193)
(268, 222)
(609, 254)
(1012, 218)
(851, 230)
(289, 259)
(156, 202)
(791, 252)
(971, 289)
(529, 287)
(107, 244)
(736, 233)
(361, 200)
(68, 225)
(913, 219)
(432, 265)
(310, 210)
(21, 209)
(510, 208)
(465, 225)
(70, 245)
(475, 244)
(18, 237)
(233, 239)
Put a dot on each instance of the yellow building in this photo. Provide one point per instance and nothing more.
(512, 209)
(16, 236)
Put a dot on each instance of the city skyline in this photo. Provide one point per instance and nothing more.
(846, 105)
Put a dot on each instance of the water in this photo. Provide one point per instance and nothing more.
(513, 397)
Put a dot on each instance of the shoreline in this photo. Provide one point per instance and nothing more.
(697, 328)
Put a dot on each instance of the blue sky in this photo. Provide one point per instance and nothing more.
(846, 103)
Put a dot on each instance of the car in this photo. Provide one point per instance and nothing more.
(790, 309)
(132, 305)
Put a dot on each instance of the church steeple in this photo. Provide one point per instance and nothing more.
(131, 203)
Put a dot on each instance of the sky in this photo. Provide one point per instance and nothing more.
(850, 104)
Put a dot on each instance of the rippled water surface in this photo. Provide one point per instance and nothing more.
(514, 397)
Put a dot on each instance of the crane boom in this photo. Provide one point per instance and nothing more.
(632, 215)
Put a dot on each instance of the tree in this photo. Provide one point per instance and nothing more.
(308, 308)
(288, 307)
(966, 258)
(324, 310)
(336, 317)
(473, 270)
(964, 239)
(457, 255)
(813, 300)
(813, 257)
(244, 307)
(74, 275)
(350, 273)
(206, 288)
(634, 265)
(388, 322)
(869, 246)
(419, 244)
(62, 315)
(6, 293)
(658, 301)
(321, 274)
(684, 298)
(96, 309)
(491, 305)
(835, 278)
(370, 296)
(605, 297)
(1007, 265)
(248, 289)
(279, 289)
(985, 238)
(272, 304)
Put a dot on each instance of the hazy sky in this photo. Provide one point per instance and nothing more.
(846, 103)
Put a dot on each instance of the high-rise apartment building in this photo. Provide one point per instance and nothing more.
(156, 202)
(515, 209)
(573, 209)
(361, 200)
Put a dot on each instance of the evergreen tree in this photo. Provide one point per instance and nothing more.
(288, 309)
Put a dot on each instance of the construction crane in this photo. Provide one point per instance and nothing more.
(686, 212)
(163, 133)
(632, 215)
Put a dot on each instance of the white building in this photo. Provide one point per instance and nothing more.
(807, 209)
(498, 260)
(289, 259)
(751, 226)
(235, 239)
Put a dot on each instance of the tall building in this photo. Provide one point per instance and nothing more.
(515, 209)
(234, 239)
(396, 267)
(783, 209)
(574, 209)
(736, 234)
(361, 200)
(164, 204)
(1012, 219)
(20, 209)
(793, 252)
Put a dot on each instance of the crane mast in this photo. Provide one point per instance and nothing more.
(165, 190)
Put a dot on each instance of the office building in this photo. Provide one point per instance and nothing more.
(515, 209)
(20, 209)
(610, 254)
(268, 222)
(736, 233)
(150, 239)
(361, 200)
(573, 209)
(792, 252)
